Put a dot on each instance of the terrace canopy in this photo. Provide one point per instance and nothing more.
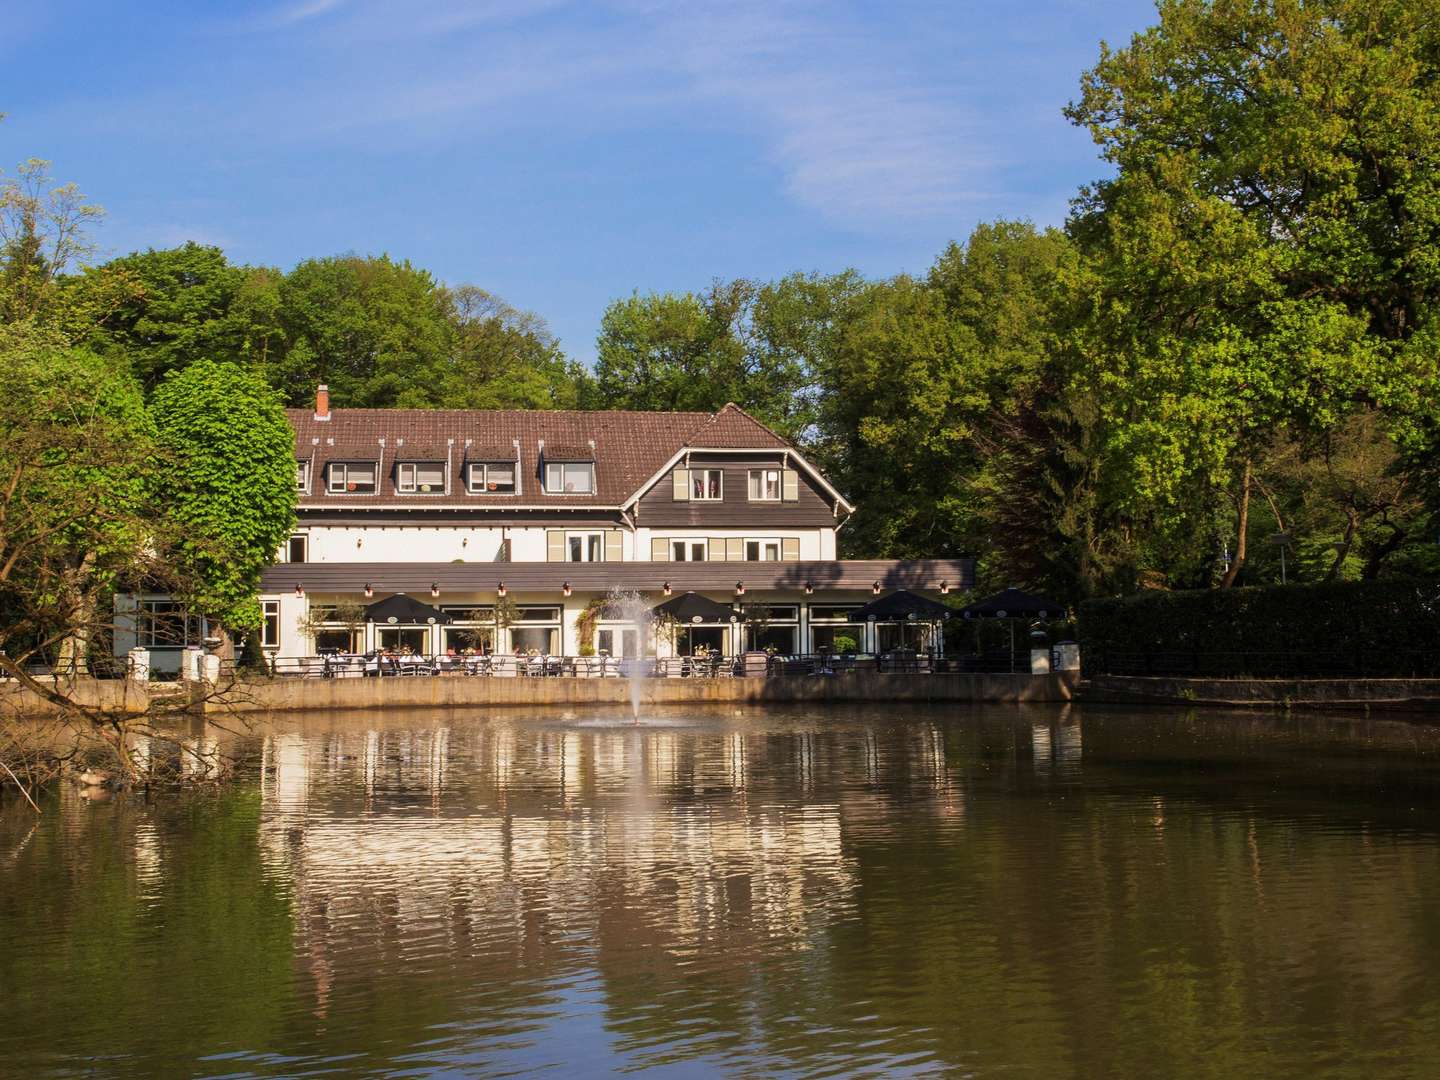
(1014, 604)
(691, 607)
(901, 605)
(406, 610)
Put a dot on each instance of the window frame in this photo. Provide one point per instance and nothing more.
(414, 483)
(688, 549)
(302, 476)
(589, 466)
(587, 538)
(304, 539)
(342, 468)
(484, 467)
(761, 474)
(762, 544)
(270, 624)
(698, 485)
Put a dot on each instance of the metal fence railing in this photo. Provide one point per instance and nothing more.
(372, 665)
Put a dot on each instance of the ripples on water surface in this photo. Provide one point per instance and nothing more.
(1030, 892)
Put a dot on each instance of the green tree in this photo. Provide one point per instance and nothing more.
(74, 521)
(44, 229)
(503, 358)
(693, 353)
(1263, 262)
(925, 383)
(226, 485)
(192, 303)
(374, 329)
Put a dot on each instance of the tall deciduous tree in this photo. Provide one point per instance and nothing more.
(503, 358)
(374, 329)
(225, 484)
(688, 352)
(1263, 263)
(190, 303)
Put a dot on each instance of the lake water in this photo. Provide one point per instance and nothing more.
(999, 891)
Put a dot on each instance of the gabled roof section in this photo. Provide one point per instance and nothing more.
(630, 450)
(732, 428)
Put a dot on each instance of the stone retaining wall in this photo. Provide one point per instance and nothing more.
(1415, 694)
(287, 695)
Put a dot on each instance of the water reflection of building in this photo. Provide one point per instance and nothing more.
(539, 835)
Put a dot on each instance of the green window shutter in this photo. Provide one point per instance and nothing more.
(554, 545)
(614, 546)
(789, 485)
(790, 549)
(717, 550)
(659, 549)
(734, 549)
(680, 479)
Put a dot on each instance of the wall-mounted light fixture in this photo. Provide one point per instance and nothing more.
(299, 589)
(434, 588)
(809, 588)
(666, 589)
(369, 590)
(500, 589)
(739, 588)
(565, 589)
(875, 589)
(945, 588)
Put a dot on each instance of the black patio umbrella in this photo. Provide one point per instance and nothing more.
(404, 609)
(1014, 604)
(691, 607)
(901, 605)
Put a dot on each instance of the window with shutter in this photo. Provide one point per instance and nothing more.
(680, 480)
(614, 545)
(554, 545)
(659, 549)
(790, 549)
(717, 550)
(734, 549)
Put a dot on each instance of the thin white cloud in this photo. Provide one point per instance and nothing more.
(302, 12)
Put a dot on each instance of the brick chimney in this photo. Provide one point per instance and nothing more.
(322, 402)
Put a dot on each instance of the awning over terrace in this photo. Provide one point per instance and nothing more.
(848, 575)
(901, 605)
(404, 610)
(693, 608)
(1014, 604)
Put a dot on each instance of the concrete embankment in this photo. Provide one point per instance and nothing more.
(291, 695)
(1418, 695)
(113, 697)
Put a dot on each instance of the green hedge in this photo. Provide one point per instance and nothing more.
(1388, 627)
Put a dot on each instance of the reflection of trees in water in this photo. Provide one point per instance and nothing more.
(1002, 889)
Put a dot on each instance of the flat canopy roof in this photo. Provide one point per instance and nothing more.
(853, 575)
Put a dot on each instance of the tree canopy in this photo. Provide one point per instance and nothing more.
(225, 482)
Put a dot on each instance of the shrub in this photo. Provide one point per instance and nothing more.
(1388, 627)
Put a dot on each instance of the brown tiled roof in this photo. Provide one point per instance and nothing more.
(630, 448)
(733, 427)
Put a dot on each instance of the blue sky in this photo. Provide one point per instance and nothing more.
(560, 154)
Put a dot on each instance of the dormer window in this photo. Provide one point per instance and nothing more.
(302, 476)
(492, 478)
(707, 485)
(569, 478)
(420, 477)
(352, 478)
